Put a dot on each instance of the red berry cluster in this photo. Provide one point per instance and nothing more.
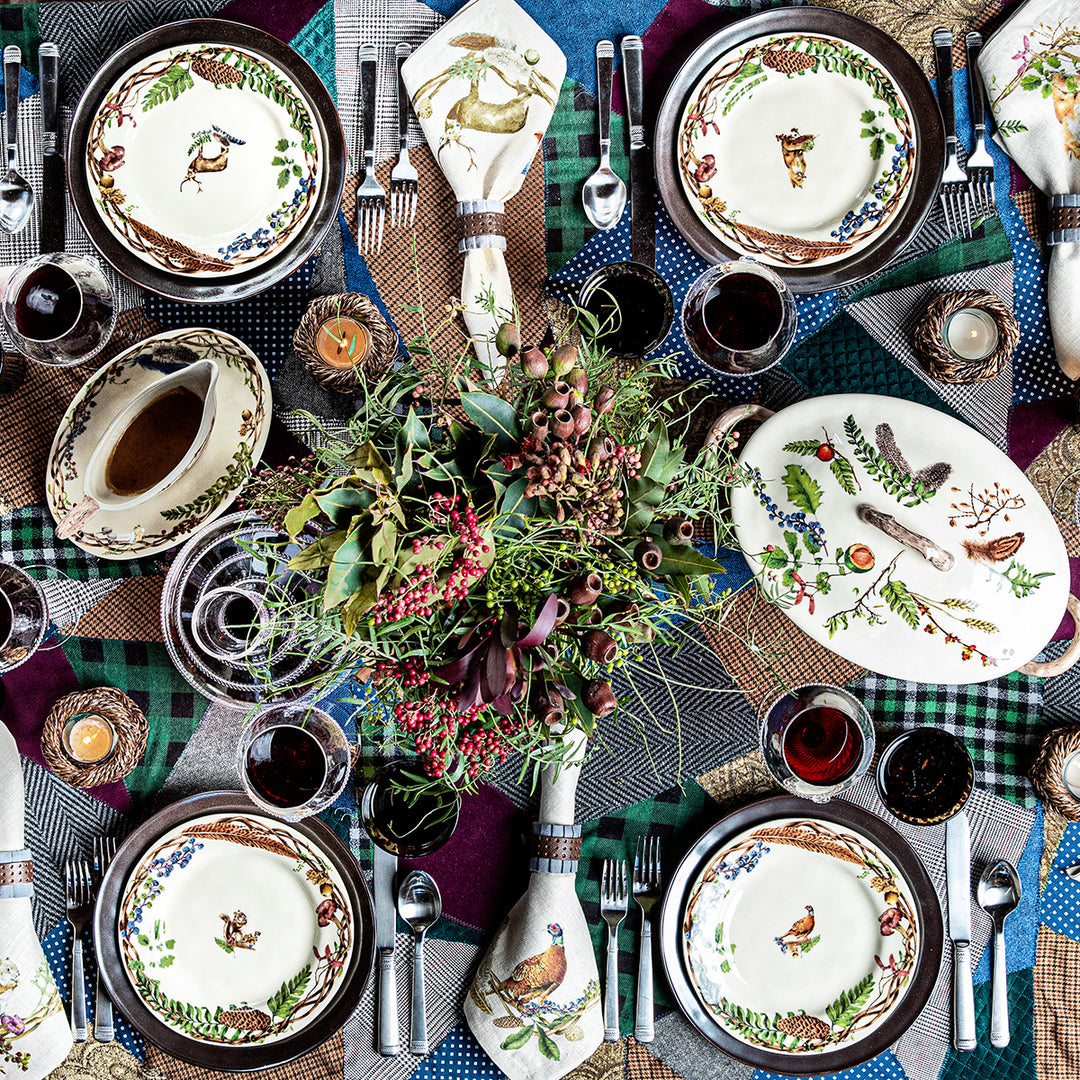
(409, 672)
(438, 731)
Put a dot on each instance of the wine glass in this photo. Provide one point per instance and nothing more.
(58, 308)
(407, 816)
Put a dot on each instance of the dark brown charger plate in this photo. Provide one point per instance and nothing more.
(908, 77)
(216, 1055)
(928, 911)
(323, 214)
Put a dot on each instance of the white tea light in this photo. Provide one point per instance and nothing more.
(1070, 774)
(970, 333)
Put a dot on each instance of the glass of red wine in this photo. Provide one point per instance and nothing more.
(925, 776)
(293, 760)
(817, 740)
(739, 318)
(632, 305)
(406, 812)
(58, 309)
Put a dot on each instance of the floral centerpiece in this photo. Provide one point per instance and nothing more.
(485, 562)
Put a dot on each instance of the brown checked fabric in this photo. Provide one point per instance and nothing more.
(764, 651)
(322, 1062)
(1032, 206)
(131, 612)
(1057, 1022)
(643, 1064)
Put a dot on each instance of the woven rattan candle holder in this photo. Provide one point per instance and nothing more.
(1048, 771)
(123, 714)
(945, 366)
(347, 375)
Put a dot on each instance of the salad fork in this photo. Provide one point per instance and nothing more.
(646, 893)
(79, 905)
(404, 182)
(613, 905)
(370, 196)
(104, 852)
(980, 165)
(955, 196)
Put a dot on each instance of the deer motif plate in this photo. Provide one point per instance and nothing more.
(208, 153)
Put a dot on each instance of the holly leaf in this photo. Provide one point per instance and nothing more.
(802, 489)
(868, 117)
(493, 416)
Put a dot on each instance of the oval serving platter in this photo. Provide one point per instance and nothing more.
(207, 160)
(804, 138)
(801, 939)
(232, 939)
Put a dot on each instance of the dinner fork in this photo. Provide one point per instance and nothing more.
(104, 852)
(404, 182)
(370, 196)
(980, 165)
(79, 904)
(613, 904)
(955, 196)
(646, 893)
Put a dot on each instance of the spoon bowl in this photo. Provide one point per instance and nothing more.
(16, 195)
(998, 893)
(419, 905)
(604, 193)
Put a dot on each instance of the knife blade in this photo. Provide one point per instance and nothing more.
(54, 182)
(958, 878)
(384, 868)
(642, 209)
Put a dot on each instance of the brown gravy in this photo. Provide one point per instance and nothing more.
(154, 442)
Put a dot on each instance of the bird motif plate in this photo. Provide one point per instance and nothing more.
(211, 483)
(237, 933)
(801, 934)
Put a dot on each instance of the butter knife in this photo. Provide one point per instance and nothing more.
(642, 210)
(54, 183)
(958, 878)
(385, 867)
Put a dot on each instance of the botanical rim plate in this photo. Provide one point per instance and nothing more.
(204, 159)
(796, 148)
(209, 486)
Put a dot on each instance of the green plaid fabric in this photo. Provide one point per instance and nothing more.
(678, 816)
(316, 44)
(1000, 723)
(145, 673)
(19, 26)
(571, 146)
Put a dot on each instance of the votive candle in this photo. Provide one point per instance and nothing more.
(970, 333)
(1070, 773)
(89, 738)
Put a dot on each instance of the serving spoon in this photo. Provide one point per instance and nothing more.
(16, 195)
(604, 193)
(998, 894)
(419, 905)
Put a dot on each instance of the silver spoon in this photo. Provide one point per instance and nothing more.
(604, 193)
(16, 195)
(420, 905)
(998, 894)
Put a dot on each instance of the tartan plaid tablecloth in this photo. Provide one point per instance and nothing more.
(639, 779)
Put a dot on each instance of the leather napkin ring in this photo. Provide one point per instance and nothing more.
(1064, 220)
(481, 224)
(556, 849)
(16, 874)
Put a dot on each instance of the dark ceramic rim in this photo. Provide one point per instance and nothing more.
(311, 232)
(906, 737)
(634, 269)
(904, 71)
(927, 908)
(217, 1055)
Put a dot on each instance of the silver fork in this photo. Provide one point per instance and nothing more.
(370, 196)
(980, 165)
(955, 196)
(613, 905)
(646, 894)
(104, 852)
(79, 902)
(404, 182)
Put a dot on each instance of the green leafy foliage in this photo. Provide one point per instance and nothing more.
(901, 485)
(1022, 581)
(548, 1046)
(494, 416)
(896, 595)
(517, 1039)
(802, 489)
(168, 87)
(290, 993)
(844, 472)
(847, 1006)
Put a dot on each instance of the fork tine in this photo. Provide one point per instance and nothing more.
(412, 210)
(623, 887)
(382, 220)
(605, 881)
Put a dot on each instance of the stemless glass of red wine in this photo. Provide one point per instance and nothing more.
(58, 309)
(817, 740)
(406, 813)
(293, 760)
(739, 318)
(925, 776)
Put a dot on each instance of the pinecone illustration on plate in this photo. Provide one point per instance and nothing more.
(787, 61)
(214, 71)
(247, 1019)
(804, 1027)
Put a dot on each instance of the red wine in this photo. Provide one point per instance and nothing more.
(286, 766)
(408, 822)
(5, 620)
(822, 745)
(633, 311)
(739, 313)
(48, 304)
(925, 775)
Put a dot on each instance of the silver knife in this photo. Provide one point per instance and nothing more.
(385, 867)
(642, 211)
(958, 877)
(54, 183)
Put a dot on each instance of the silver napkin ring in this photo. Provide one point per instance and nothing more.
(480, 225)
(16, 874)
(1064, 220)
(556, 849)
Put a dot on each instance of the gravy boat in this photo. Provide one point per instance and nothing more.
(200, 378)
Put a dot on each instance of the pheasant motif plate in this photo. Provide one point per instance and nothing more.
(801, 940)
(236, 931)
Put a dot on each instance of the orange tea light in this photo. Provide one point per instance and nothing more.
(343, 342)
(88, 738)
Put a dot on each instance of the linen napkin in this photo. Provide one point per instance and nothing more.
(484, 87)
(34, 1032)
(534, 1002)
(1033, 82)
